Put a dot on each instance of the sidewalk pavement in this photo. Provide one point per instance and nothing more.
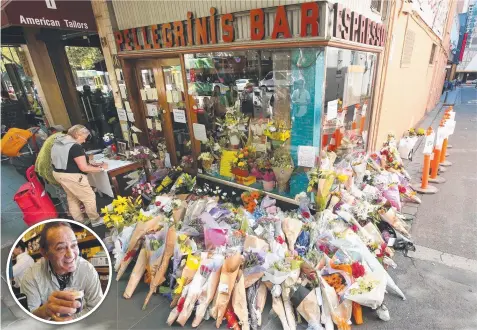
(438, 280)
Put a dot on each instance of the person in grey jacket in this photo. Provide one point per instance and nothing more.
(70, 167)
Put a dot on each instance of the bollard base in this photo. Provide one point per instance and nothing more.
(427, 190)
(437, 179)
(449, 146)
(442, 169)
(446, 163)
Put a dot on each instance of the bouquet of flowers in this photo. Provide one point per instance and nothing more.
(142, 153)
(123, 212)
(277, 130)
(250, 200)
(184, 184)
(233, 126)
(207, 160)
(108, 139)
(282, 165)
(145, 190)
(169, 179)
(242, 161)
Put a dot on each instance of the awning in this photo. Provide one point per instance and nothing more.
(56, 14)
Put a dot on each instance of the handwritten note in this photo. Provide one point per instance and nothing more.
(122, 89)
(307, 156)
(134, 137)
(125, 128)
(143, 94)
(332, 110)
(199, 132)
(151, 109)
(169, 96)
(130, 116)
(176, 96)
(149, 123)
(179, 116)
(158, 125)
(127, 106)
(429, 143)
(126, 136)
(122, 115)
(154, 93)
(119, 74)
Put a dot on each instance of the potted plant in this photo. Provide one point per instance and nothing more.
(282, 165)
(268, 180)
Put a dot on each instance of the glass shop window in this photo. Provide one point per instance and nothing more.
(261, 115)
(349, 86)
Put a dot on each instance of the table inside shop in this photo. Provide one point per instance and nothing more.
(103, 180)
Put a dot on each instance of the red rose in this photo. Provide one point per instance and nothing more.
(354, 228)
(305, 215)
(158, 203)
(280, 240)
(402, 189)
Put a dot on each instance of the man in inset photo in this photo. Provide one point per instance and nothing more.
(62, 286)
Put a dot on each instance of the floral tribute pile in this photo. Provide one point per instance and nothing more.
(220, 255)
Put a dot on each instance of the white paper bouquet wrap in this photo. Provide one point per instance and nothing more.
(406, 144)
(374, 298)
(352, 243)
(121, 245)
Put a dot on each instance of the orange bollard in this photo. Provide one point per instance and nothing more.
(325, 140)
(361, 124)
(435, 163)
(425, 171)
(425, 188)
(443, 161)
(354, 125)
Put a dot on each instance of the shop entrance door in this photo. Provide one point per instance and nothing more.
(164, 109)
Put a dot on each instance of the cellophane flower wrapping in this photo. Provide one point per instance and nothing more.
(392, 195)
(303, 242)
(121, 245)
(340, 311)
(208, 291)
(154, 245)
(368, 290)
(353, 244)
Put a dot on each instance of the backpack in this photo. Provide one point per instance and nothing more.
(14, 140)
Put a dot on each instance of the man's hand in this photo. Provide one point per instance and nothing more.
(59, 303)
(105, 166)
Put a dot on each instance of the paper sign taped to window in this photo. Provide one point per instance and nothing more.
(143, 94)
(127, 106)
(125, 128)
(169, 96)
(158, 125)
(149, 123)
(151, 109)
(126, 136)
(176, 96)
(179, 116)
(332, 110)
(122, 115)
(130, 116)
(307, 156)
(199, 132)
(134, 137)
(429, 143)
(122, 89)
(119, 74)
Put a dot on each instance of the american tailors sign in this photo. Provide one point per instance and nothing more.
(203, 31)
(70, 14)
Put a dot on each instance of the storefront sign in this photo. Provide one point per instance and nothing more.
(203, 30)
(349, 25)
(72, 14)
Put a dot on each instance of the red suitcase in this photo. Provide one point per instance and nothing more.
(33, 200)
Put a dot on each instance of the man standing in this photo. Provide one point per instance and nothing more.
(24, 261)
(61, 268)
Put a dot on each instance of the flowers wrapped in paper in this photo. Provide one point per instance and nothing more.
(306, 303)
(140, 230)
(121, 245)
(368, 290)
(209, 289)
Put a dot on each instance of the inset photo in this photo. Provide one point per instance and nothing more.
(59, 271)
